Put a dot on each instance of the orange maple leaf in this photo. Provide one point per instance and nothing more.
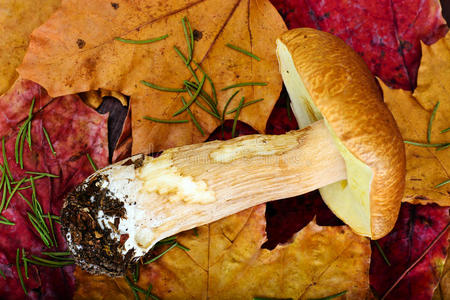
(17, 21)
(226, 261)
(78, 45)
(426, 166)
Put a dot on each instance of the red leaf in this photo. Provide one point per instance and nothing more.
(74, 129)
(416, 228)
(387, 33)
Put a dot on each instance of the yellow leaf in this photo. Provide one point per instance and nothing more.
(78, 44)
(426, 167)
(226, 261)
(17, 20)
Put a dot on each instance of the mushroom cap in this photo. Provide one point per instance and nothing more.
(346, 94)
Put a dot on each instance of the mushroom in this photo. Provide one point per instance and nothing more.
(349, 148)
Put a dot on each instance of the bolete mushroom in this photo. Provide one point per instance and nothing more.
(350, 148)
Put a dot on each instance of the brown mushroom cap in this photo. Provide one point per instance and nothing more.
(345, 92)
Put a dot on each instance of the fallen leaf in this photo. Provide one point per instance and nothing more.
(385, 33)
(425, 167)
(83, 59)
(442, 292)
(416, 228)
(226, 261)
(122, 99)
(433, 85)
(17, 21)
(91, 98)
(74, 130)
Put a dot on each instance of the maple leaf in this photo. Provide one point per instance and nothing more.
(17, 20)
(74, 130)
(226, 261)
(416, 228)
(426, 166)
(82, 59)
(385, 33)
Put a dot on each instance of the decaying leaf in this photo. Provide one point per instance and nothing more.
(415, 230)
(83, 59)
(74, 130)
(226, 261)
(95, 98)
(17, 21)
(442, 291)
(433, 85)
(92, 98)
(426, 166)
(122, 99)
(386, 33)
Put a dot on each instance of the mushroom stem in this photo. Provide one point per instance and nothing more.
(193, 185)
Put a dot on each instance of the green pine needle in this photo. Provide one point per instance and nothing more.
(194, 120)
(430, 122)
(41, 175)
(243, 51)
(426, 145)
(245, 105)
(443, 183)
(236, 117)
(47, 137)
(25, 263)
(161, 88)
(161, 254)
(13, 192)
(5, 160)
(91, 161)
(244, 84)
(140, 42)
(386, 260)
(19, 272)
(192, 100)
(165, 121)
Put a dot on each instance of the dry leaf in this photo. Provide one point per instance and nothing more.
(17, 20)
(122, 99)
(426, 167)
(83, 59)
(226, 262)
(95, 98)
(443, 289)
(92, 98)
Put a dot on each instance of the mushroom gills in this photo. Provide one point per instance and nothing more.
(349, 199)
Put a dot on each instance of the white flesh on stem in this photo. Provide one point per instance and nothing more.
(348, 199)
(194, 185)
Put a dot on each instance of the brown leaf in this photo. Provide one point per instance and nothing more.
(17, 20)
(442, 291)
(226, 262)
(83, 59)
(425, 167)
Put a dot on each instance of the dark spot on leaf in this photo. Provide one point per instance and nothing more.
(421, 198)
(115, 5)
(197, 35)
(326, 15)
(81, 43)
